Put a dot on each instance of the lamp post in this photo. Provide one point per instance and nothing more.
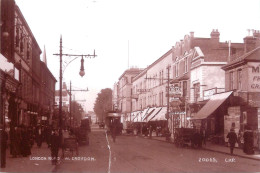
(82, 73)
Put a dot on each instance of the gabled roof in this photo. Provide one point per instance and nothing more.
(252, 56)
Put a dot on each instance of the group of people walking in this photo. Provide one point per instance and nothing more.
(248, 136)
(22, 139)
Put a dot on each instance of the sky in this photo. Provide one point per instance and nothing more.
(127, 33)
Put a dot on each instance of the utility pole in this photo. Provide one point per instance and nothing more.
(168, 96)
(70, 103)
(74, 105)
(60, 105)
(82, 73)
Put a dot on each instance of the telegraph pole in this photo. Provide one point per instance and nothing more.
(70, 103)
(168, 97)
(82, 73)
(60, 105)
(74, 105)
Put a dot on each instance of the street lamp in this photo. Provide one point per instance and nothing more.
(82, 73)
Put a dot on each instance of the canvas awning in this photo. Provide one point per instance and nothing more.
(154, 113)
(142, 115)
(148, 113)
(135, 116)
(160, 115)
(214, 102)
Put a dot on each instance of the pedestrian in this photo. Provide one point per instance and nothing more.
(3, 145)
(203, 134)
(113, 132)
(25, 142)
(54, 145)
(38, 136)
(232, 139)
(150, 131)
(15, 139)
(248, 141)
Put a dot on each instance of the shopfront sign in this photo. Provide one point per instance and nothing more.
(254, 77)
(208, 93)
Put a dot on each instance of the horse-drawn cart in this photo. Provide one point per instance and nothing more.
(187, 136)
(70, 145)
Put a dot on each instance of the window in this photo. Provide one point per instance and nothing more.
(184, 88)
(196, 91)
(239, 79)
(177, 69)
(231, 80)
(186, 64)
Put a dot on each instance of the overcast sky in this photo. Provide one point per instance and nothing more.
(141, 30)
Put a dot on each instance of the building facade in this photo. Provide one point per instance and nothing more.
(21, 69)
(242, 77)
(187, 86)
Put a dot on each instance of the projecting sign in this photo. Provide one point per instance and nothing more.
(174, 89)
(208, 93)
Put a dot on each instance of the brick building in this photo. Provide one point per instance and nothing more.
(20, 65)
(243, 79)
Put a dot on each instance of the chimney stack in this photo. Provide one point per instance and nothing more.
(214, 37)
(251, 42)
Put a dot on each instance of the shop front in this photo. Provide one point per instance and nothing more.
(213, 116)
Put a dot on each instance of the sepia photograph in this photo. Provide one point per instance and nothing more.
(129, 86)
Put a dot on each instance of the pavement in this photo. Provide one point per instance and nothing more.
(38, 161)
(218, 148)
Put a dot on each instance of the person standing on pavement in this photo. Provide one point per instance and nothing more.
(150, 131)
(248, 141)
(25, 142)
(55, 144)
(38, 136)
(3, 145)
(232, 139)
(113, 131)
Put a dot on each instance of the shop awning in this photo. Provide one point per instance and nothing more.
(142, 115)
(160, 115)
(135, 116)
(214, 102)
(148, 114)
(154, 113)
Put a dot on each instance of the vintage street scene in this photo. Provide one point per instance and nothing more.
(120, 86)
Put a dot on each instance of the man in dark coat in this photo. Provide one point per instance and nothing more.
(3, 145)
(55, 144)
(232, 139)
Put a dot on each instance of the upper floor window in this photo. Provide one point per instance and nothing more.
(239, 79)
(196, 91)
(177, 69)
(184, 88)
(231, 80)
(186, 64)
